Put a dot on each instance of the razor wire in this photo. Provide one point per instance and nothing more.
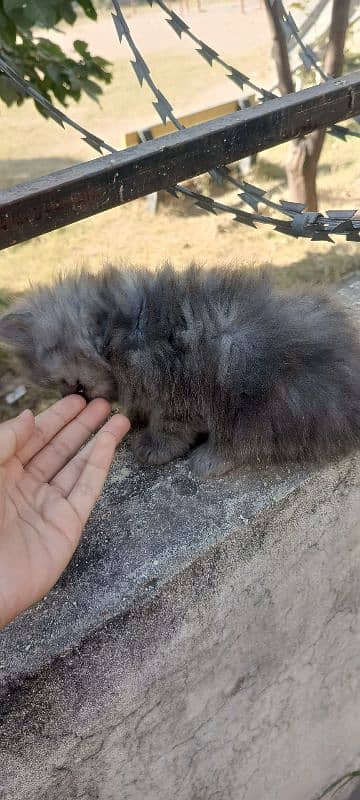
(209, 54)
(251, 195)
(353, 20)
(313, 225)
(307, 224)
(291, 30)
(162, 105)
(304, 224)
(309, 59)
(307, 55)
(312, 17)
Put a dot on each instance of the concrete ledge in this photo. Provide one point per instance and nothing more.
(204, 643)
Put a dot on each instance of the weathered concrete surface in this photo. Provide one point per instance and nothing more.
(204, 644)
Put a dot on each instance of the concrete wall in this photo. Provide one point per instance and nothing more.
(204, 643)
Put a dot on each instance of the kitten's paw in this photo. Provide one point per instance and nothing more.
(206, 462)
(156, 450)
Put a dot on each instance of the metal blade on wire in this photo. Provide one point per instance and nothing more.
(293, 208)
(239, 78)
(119, 26)
(252, 195)
(163, 107)
(303, 224)
(309, 60)
(311, 225)
(341, 214)
(307, 55)
(208, 53)
(353, 237)
(341, 132)
(165, 111)
(206, 203)
(321, 236)
(141, 69)
(177, 24)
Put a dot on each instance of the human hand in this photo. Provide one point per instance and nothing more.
(47, 491)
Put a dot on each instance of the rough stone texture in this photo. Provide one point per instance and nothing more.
(203, 644)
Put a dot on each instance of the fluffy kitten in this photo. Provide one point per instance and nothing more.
(58, 334)
(212, 355)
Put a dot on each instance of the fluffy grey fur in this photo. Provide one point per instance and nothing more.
(210, 360)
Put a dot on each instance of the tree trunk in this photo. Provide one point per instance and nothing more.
(305, 151)
(279, 49)
(301, 168)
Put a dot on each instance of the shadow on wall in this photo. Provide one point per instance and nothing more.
(355, 795)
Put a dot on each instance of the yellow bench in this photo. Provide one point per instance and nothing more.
(134, 138)
(160, 129)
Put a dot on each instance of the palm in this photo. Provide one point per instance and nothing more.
(37, 515)
(47, 493)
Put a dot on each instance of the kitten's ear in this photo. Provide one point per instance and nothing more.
(16, 328)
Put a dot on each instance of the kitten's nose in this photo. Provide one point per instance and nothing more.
(75, 388)
(80, 390)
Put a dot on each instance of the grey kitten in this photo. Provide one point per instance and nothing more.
(58, 334)
(213, 360)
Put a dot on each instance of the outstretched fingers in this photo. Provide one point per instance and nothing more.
(65, 480)
(47, 463)
(91, 479)
(49, 423)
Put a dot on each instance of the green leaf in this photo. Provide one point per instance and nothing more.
(26, 14)
(42, 63)
(88, 8)
(49, 50)
(81, 47)
(91, 88)
(69, 15)
(7, 29)
(41, 110)
(46, 13)
(8, 93)
(74, 81)
(60, 93)
(54, 73)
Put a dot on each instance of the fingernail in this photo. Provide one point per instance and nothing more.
(26, 411)
(126, 420)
